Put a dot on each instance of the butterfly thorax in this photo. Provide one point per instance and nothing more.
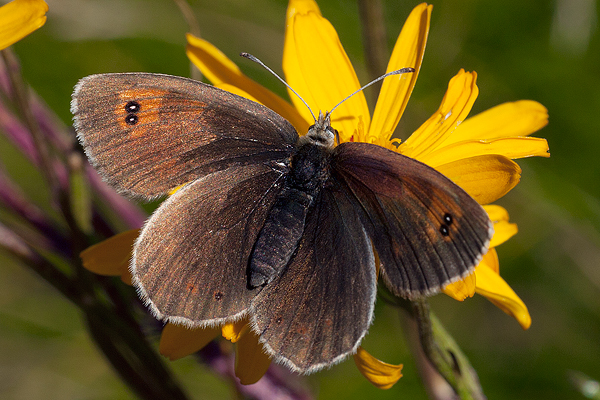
(309, 168)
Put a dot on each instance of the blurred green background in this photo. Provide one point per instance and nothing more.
(547, 51)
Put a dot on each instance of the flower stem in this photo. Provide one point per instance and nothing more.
(374, 41)
(131, 355)
(443, 352)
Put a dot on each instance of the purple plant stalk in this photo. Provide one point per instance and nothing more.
(61, 137)
(13, 199)
(15, 245)
(127, 211)
(16, 133)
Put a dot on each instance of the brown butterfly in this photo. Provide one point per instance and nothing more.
(269, 225)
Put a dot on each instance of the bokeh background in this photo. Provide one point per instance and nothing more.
(543, 50)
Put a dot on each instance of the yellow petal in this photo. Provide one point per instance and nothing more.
(514, 147)
(111, 256)
(301, 7)
(461, 289)
(291, 65)
(177, 341)
(233, 331)
(126, 277)
(251, 362)
(236, 90)
(503, 231)
(491, 260)
(219, 70)
(485, 178)
(379, 373)
(396, 90)
(492, 286)
(19, 18)
(519, 118)
(496, 213)
(211, 61)
(456, 105)
(317, 67)
(464, 288)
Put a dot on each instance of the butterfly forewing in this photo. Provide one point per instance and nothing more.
(190, 260)
(149, 133)
(320, 307)
(427, 231)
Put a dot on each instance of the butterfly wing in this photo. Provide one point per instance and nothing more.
(427, 231)
(189, 262)
(149, 133)
(320, 307)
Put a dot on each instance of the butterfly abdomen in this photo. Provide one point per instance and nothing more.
(279, 237)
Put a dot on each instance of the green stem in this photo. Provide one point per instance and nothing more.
(374, 42)
(131, 356)
(444, 353)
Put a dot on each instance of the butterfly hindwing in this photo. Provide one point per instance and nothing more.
(427, 231)
(319, 308)
(149, 133)
(190, 259)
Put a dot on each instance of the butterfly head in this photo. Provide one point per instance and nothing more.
(321, 133)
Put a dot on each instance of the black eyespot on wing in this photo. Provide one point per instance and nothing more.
(444, 230)
(448, 219)
(427, 231)
(131, 119)
(132, 106)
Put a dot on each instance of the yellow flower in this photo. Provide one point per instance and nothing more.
(475, 153)
(19, 18)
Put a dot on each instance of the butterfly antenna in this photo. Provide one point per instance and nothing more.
(396, 72)
(256, 60)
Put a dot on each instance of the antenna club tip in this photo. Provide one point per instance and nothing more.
(250, 57)
(402, 71)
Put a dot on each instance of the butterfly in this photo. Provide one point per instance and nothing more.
(268, 225)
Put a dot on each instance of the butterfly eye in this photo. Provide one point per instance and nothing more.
(132, 107)
(330, 130)
(311, 127)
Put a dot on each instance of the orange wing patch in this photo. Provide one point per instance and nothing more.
(150, 103)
